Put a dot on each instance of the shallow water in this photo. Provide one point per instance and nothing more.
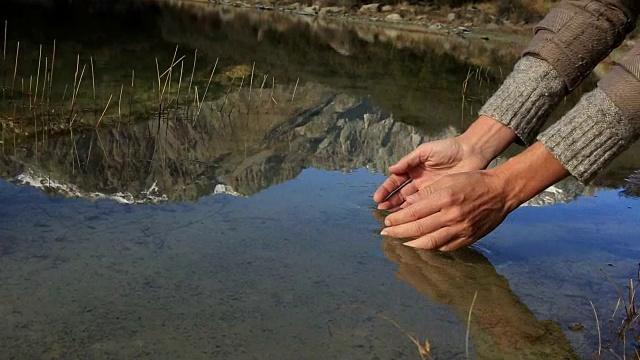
(252, 233)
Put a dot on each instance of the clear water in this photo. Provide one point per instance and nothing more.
(255, 236)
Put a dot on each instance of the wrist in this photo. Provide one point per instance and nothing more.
(486, 138)
(525, 175)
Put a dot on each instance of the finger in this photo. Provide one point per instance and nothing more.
(423, 226)
(390, 184)
(429, 203)
(409, 161)
(398, 199)
(434, 240)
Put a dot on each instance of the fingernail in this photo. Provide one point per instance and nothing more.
(410, 244)
(387, 222)
(383, 232)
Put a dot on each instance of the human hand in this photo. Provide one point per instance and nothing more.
(426, 164)
(459, 209)
(472, 150)
(455, 211)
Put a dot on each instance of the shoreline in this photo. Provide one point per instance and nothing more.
(467, 22)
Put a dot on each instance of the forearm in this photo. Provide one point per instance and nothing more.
(527, 174)
(487, 138)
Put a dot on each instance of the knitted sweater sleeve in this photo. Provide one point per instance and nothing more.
(604, 123)
(567, 44)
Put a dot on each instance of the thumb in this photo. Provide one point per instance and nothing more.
(410, 161)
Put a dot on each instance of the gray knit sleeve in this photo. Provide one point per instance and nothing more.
(603, 124)
(590, 136)
(526, 98)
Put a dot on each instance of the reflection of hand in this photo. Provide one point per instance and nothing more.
(470, 151)
(502, 327)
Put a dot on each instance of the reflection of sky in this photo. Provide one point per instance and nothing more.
(278, 268)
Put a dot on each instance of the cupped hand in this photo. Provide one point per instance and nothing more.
(426, 164)
(453, 212)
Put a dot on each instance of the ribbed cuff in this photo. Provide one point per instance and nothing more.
(589, 136)
(526, 98)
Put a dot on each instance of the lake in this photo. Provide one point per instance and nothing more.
(194, 181)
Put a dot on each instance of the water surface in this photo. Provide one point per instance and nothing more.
(244, 227)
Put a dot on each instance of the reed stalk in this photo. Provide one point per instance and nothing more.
(119, 105)
(253, 67)
(53, 60)
(294, 90)
(15, 68)
(226, 96)
(75, 92)
(75, 79)
(93, 86)
(179, 87)
(35, 97)
(4, 44)
(104, 111)
(466, 339)
(44, 83)
(4, 58)
(193, 70)
(207, 88)
(133, 77)
(30, 94)
(264, 80)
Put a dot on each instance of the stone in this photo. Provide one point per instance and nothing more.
(332, 10)
(393, 17)
(461, 30)
(370, 8)
(387, 8)
(436, 26)
(451, 17)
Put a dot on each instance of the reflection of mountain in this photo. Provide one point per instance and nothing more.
(245, 148)
(250, 149)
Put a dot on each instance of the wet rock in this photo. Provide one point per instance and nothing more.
(451, 17)
(387, 8)
(332, 10)
(393, 17)
(375, 7)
